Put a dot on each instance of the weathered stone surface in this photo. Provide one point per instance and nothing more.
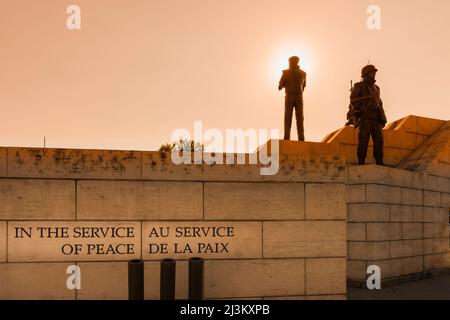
(440, 184)
(139, 200)
(356, 270)
(437, 261)
(412, 230)
(402, 248)
(356, 232)
(103, 281)
(440, 214)
(356, 193)
(394, 156)
(432, 199)
(420, 125)
(427, 246)
(290, 239)
(209, 240)
(369, 212)
(3, 162)
(2, 241)
(349, 152)
(233, 167)
(312, 168)
(326, 276)
(253, 278)
(251, 201)
(73, 163)
(420, 180)
(389, 268)
(412, 265)
(418, 247)
(418, 214)
(345, 135)
(369, 250)
(402, 139)
(428, 214)
(401, 213)
(368, 174)
(325, 202)
(446, 200)
(442, 169)
(383, 231)
(34, 281)
(73, 241)
(439, 245)
(384, 194)
(436, 230)
(412, 196)
(28, 199)
(400, 177)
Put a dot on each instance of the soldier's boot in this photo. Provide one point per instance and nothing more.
(361, 161)
(379, 161)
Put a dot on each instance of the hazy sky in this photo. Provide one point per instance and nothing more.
(139, 69)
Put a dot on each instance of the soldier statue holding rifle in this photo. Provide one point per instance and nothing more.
(367, 114)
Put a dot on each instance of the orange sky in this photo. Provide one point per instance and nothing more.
(139, 69)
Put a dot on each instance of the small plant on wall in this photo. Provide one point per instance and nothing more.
(183, 144)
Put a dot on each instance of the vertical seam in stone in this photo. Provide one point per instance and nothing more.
(367, 198)
(142, 235)
(141, 169)
(203, 200)
(262, 239)
(76, 199)
(76, 290)
(401, 229)
(304, 201)
(365, 230)
(7, 227)
(305, 278)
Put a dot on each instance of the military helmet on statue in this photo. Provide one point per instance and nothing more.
(367, 69)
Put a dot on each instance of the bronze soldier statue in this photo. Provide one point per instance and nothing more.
(293, 81)
(367, 113)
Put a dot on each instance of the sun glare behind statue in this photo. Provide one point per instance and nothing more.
(280, 61)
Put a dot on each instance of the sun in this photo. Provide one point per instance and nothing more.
(279, 60)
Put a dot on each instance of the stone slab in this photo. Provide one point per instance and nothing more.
(28, 199)
(2, 241)
(254, 278)
(208, 240)
(103, 281)
(326, 276)
(34, 281)
(139, 200)
(73, 163)
(45, 241)
(254, 201)
(325, 201)
(289, 239)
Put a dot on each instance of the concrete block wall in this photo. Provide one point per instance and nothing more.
(397, 220)
(290, 228)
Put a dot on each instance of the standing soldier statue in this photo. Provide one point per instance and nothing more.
(367, 114)
(293, 81)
